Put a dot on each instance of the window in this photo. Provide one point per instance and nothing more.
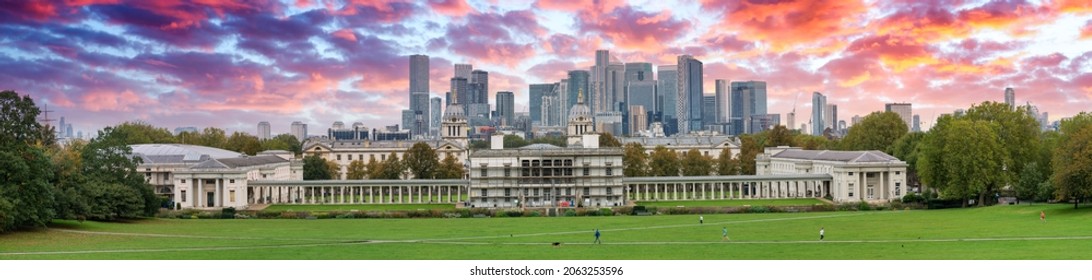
(850, 173)
(483, 172)
(263, 176)
(587, 191)
(610, 171)
(896, 190)
(568, 191)
(850, 189)
(507, 192)
(338, 157)
(183, 195)
(183, 181)
(382, 157)
(535, 193)
(897, 172)
(485, 192)
(587, 171)
(231, 195)
(610, 191)
(507, 172)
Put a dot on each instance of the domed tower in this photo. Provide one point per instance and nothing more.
(453, 127)
(580, 121)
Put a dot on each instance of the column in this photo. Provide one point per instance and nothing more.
(216, 198)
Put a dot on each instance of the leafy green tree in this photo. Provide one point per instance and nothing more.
(726, 164)
(107, 163)
(1072, 178)
(26, 198)
(478, 145)
(559, 141)
(512, 141)
(287, 142)
(356, 170)
(450, 168)
(970, 158)
(70, 193)
(422, 161)
(778, 136)
(213, 137)
(1028, 185)
(608, 140)
(906, 149)
(634, 160)
(748, 151)
(189, 138)
(243, 143)
(1018, 132)
(374, 168)
(140, 132)
(392, 167)
(696, 164)
(663, 162)
(811, 142)
(316, 168)
(877, 131)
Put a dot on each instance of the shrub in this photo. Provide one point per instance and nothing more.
(758, 209)
(913, 198)
(227, 213)
(570, 213)
(269, 214)
(535, 214)
(639, 209)
(863, 206)
(605, 212)
(846, 206)
(514, 213)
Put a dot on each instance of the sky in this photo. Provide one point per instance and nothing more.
(231, 64)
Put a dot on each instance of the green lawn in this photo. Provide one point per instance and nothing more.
(361, 207)
(733, 202)
(1000, 232)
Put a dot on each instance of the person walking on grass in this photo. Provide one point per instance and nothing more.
(821, 231)
(725, 235)
(701, 219)
(597, 237)
(1042, 216)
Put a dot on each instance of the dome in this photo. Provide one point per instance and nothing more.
(579, 110)
(454, 112)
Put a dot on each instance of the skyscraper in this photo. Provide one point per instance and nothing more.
(830, 117)
(904, 110)
(535, 93)
(481, 78)
(263, 130)
(435, 105)
(460, 85)
(791, 120)
(61, 129)
(1010, 98)
(578, 82)
(638, 72)
(463, 71)
(709, 109)
(667, 94)
(551, 110)
(723, 92)
(299, 130)
(690, 91)
(917, 124)
(506, 107)
(642, 94)
(421, 121)
(597, 81)
(818, 104)
(418, 73)
(748, 100)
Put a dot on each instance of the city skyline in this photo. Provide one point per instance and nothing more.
(232, 65)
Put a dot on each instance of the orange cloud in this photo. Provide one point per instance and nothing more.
(124, 101)
(1086, 31)
(784, 24)
(454, 8)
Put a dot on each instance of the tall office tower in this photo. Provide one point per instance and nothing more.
(638, 119)
(639, 72)
(578, 82)
(299, 130)
(562, 92)
(463, 71)
(481, 78)
(818, 103)
(535, 93)
(462, 86)
(830, 117)
(690, 91)
(263, 130)
(60, 129)
(748, 99)
(917, 124)
(842, 127)
(68, 130)
(506, 107)
(642, 93)
(435, 105)
(855, 120)
(1044, 122)
(667, 94)
(421, 120)
(616, 84)
(904, 110)
(760, 123)
(708, 109)
(418, 74)
(1010, 98)
(791, 120)
(723, 96)
(597, 81)
(551, 110)
(408, 120)
(804, 129)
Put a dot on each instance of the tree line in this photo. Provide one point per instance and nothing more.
(420, 160)
(139, 132)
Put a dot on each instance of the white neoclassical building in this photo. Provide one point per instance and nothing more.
(543, 175)
(160, 161)
(219, 183)
(707, 145)
(871, 176)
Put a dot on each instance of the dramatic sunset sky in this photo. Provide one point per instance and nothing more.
(232, 64)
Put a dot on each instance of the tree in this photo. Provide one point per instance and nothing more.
(26, 198)
(748, 151)
(875, 132)
(512, 141)
(696, 164)
(287, 142)
(906, 149)
(392, 168)
(356, 170)
(726, 164)
(422, 161)
(968, 157)
(559, 141)
(1072, 163)
(213, 137)
(243, 143)
(663, 162)
(315, 168)
(778, 136)
(140, 132)
(608, 140)
(450, 168)
(1028, 185)
(1018, 132)
(112, 175)
(634, 160)
(70, 193)
(811, 142)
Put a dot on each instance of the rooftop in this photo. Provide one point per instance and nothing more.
(842, 156)
(179, 153)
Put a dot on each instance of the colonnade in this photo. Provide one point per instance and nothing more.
(679, 188)
(349, 194)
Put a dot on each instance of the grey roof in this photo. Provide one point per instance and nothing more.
(339, 144)
(238, 162)
(540, 146)
(543, 151)
(842, 156)
(683, 140)
(179, 153)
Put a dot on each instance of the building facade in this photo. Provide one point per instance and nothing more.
(818, 104)
(904, 110)
(299, 130)
(543, 175)
(870, 176)
(220, 183)
(263, 131)
(690, 92)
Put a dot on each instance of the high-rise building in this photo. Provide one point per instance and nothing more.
(760, 123)
(904, 110)
(299, 130)
(435, 105)
(748, 99)
(421, 121)
(463, 71)
(535, 93)
(643, 94)
(709, 109)
(638, 119)
(830, 117)
(562, 92)
(790, 120)
(578, 82)
(639, 72)
(68, 130)
(462, 86)
(408, 120)
(1010, 98)
(481, 78)
(551, 111)
(418, 73)
(723, 97)
(506, 107)
(263, 130)
(60, 129)
(818, 104)
(667, 94)
(597, 81)
(690, 91)
(855, 120)
(917, 124)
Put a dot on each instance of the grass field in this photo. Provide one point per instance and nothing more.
(361, 207)
(1000, 232)
(734, 202)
